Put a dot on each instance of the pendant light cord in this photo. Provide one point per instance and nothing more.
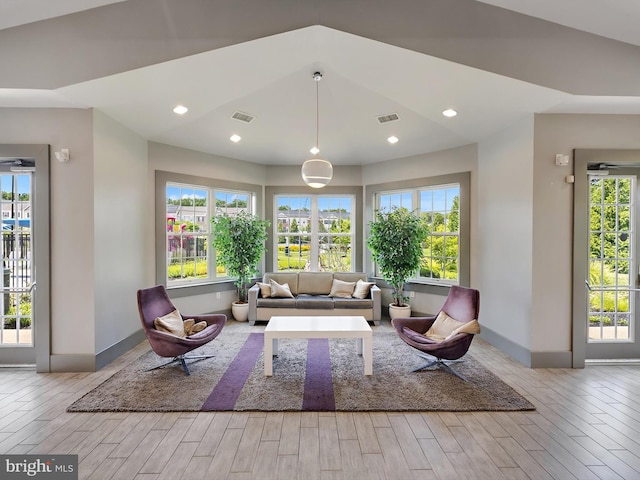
(317, 76)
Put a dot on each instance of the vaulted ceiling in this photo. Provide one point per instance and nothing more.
(136, 59)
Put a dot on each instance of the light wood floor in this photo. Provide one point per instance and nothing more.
(587, 426)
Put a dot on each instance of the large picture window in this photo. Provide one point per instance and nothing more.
(439, 206)
(314, 232)
(189, 209)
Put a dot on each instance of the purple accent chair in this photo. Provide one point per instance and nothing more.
(153, 303)
(462, 304)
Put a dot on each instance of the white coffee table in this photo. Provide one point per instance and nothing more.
(318, 327)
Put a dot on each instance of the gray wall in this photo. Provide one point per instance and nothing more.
(71, 210)
(505, 209)
(553, 219)
(121, 222)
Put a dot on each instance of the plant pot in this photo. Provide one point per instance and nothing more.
(240, 311)
(395, 312)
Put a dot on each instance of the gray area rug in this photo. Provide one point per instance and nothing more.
(316, 375)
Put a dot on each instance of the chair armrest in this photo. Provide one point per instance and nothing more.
(254, 293)
(376, 296)
(417, 324)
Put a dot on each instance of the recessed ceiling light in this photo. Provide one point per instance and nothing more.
(235, 138)
(180, 110)
(392, 139)
(314, 150)
(449, 112)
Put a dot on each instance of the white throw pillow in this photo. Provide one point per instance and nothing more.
(442, 327)
(278, 290)
(265, 289)
(342, 289)
(170, 323)
(362, 289)
(472, 327)
(191, 327)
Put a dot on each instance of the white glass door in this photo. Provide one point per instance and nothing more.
(612, 283)
(16, 326)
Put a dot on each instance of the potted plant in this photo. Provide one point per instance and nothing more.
(395, 240)
(239, 242)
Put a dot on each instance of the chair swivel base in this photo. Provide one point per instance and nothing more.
(440, 363)
(182, 359)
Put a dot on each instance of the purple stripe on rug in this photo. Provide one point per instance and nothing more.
(318, 383)
(225, 394)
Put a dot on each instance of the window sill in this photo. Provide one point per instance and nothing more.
(192, 289)
(419, 286)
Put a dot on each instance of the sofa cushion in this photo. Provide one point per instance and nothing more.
(352, 303)
(277, 302)
(314, 301)
(282, 278)
(350, 276)
(315, 283)
(341, 289)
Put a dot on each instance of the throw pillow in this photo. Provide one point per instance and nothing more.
(191, 327)
(170, 323)
(472, 327)
(362, 289)
(442, 327)
(278, 290)
(342, 289)
(265, 289)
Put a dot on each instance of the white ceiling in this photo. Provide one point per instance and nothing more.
(256, 77)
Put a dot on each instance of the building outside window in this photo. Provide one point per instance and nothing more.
(314, 233)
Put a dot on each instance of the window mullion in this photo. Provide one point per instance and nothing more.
(315, 236)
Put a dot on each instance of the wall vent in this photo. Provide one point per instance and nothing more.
(389, 117)
(243, 117)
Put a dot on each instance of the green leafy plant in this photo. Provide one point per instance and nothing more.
(239, 242)
(395, 240)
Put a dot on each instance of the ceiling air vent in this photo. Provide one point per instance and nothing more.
(243, 117)
(389, 117)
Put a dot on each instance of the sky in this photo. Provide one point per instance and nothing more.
(324, 203)
(23, 184)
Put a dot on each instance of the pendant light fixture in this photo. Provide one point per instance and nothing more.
(317, 172)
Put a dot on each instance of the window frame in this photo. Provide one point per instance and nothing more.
(162, 179)
(463, 179)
